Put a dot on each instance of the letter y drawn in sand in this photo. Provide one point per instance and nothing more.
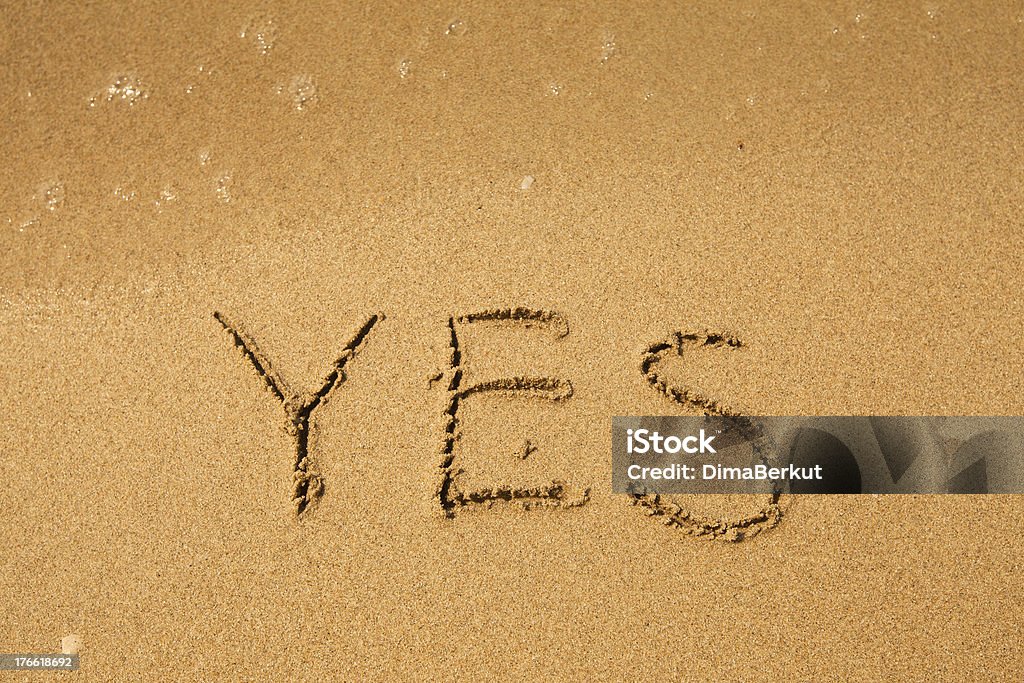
(307, 484)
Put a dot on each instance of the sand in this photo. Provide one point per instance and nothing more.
(838, 188)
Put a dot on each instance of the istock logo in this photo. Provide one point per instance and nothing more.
(643, 441)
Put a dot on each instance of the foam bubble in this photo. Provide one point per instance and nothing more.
(262, 31)
(52, 194)
(223, 187)
(126, 88)
(167, 194)
(456, 27)
(404, 66)
(608, 48)
(303, 92)
(27, 223)
(123, 194)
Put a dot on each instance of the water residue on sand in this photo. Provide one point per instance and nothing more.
(51, 194)
(222, 187)
(608, 47)
(261, 31)
(456, 27)
(302, 91)
(124, 88)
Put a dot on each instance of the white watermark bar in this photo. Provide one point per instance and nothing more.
(821, 454)
(38, 662)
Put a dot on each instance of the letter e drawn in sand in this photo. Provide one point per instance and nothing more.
(448, 493)
(674, 515)
(307, 484)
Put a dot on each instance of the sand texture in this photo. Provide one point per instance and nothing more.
(314, 316)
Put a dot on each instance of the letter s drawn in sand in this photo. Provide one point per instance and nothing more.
(670, 513)
(307, 484)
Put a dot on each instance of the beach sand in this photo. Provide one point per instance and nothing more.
(838, 187)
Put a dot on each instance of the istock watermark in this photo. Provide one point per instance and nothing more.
(835, 454)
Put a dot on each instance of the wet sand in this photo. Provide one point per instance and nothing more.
(839, 188)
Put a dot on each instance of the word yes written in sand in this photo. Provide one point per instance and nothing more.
(300, 408)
